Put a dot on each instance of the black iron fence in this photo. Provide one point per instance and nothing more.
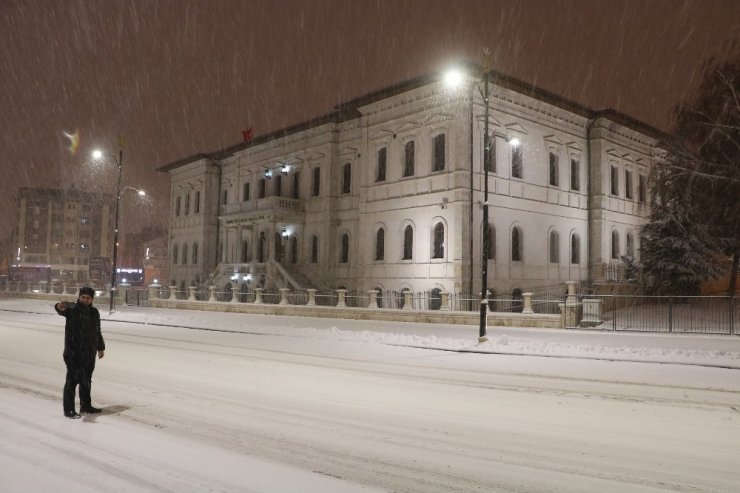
(669, 314)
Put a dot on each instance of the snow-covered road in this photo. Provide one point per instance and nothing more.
(278, 404)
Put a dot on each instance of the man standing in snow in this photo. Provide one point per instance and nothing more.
(82, 340)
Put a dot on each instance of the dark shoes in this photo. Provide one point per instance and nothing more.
(72, 414)
(90, 410)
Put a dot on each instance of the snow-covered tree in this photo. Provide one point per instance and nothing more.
(695, 219)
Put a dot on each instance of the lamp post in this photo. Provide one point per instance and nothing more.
(484, 255)
(455, 78)
(119, 191)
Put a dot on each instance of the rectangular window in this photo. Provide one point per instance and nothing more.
(196, 205)
(296, 185)
(489, 155)
(278, 186)
(382, 156)
(628, 184)
(516, 161)
(347, 178)
(187, 204)
(615, 180)
(226, 196)
(642, 189)
(316, 184)
(575, 174)
(438, 156)
(262, 189)
(408, 158)
(177, 206)
(245, 192)
(554, 169)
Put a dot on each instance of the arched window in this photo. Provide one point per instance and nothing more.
(408, 243)
(314, 249)
(380, 244)
(195, 254)
(491, 255)
(615, 244)
(516, 245)
(575, 249)
(184, 253)
(245, 251)
(630, 245)
(435, 300)
(554, 247)
(438, 242)
(344, 253)
(293, 250)
(174, 254)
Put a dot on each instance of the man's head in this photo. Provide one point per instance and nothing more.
(86, 295)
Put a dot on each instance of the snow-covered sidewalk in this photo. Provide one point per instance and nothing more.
(686, 349)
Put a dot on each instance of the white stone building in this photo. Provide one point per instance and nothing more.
(387, 193)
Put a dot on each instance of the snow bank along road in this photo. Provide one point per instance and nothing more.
(192, 410)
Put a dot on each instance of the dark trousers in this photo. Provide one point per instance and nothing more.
(78, 373)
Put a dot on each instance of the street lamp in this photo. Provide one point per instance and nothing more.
(97, 154)
(454, 78)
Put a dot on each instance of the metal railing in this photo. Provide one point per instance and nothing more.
(667, 314)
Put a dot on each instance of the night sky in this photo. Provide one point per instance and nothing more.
(177, 78)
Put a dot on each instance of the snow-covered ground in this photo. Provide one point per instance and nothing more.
(203, 401)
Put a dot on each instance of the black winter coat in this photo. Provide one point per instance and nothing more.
(82, 336)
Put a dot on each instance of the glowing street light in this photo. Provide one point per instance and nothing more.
(454, 78)
(97, 155)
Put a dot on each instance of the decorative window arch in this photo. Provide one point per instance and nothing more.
(408, 242)
(380, 244)
(615, 244)
(516, 244)
(194, 254)
(575, 249)
(184, 253)
(554, 243)
(438, 240)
